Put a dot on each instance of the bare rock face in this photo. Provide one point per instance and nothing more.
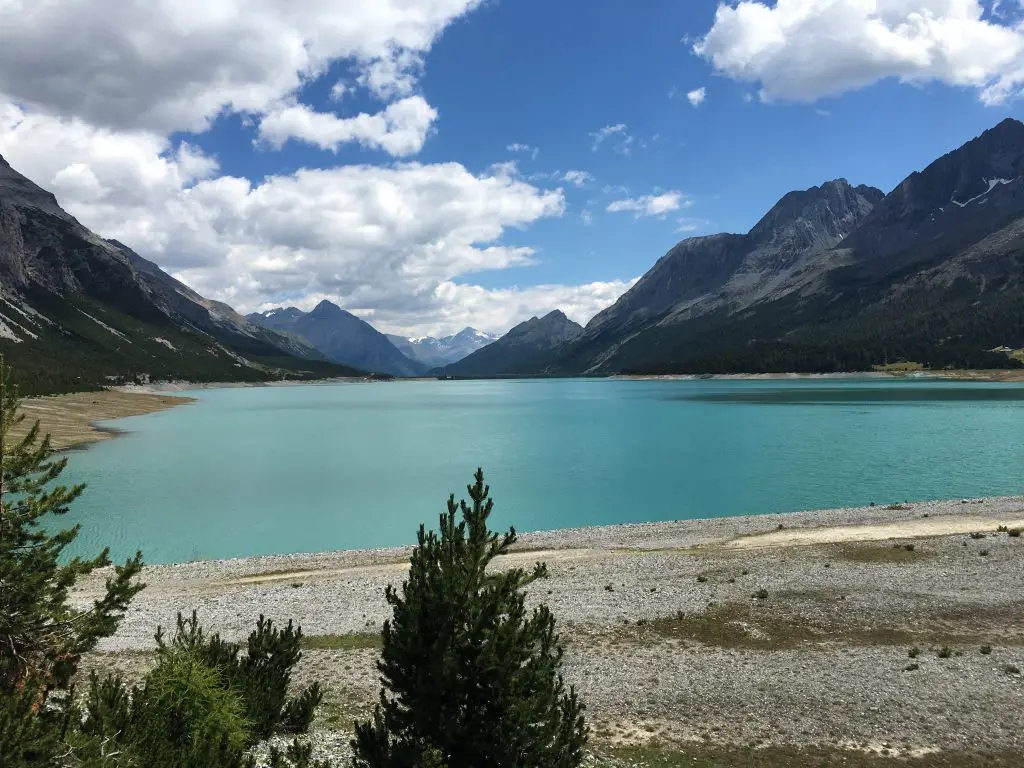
(109, 313)
(703, 274)
(837, 277)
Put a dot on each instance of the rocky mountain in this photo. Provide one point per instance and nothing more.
(78, 311)
(837, 277)
(519, 350)
(341, 337)
(435, 353)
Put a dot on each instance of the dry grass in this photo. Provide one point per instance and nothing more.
(898, 367)
(879, 553)
(712, 756)
(792, 620)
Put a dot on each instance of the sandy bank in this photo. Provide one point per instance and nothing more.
(70, 419)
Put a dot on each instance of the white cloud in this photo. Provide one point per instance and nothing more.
(696, 97)
(497, 310)
(807, 49)
(586, 217)
(687, 226)
(400, 129)
(174, 65)
(650, 205)
(531, 151)
(388, 239)
(623, 140)
(91, 92)
(577, 178)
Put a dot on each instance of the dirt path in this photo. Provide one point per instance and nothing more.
(904, 529)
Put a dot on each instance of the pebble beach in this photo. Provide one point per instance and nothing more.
(876, 633)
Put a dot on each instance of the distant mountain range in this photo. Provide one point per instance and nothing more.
(78, 311)
(522, 350)
(434, 352)
(342, 337)
(833, 278)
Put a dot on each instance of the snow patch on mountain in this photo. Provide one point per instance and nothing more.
(992, 184)
(106, 327)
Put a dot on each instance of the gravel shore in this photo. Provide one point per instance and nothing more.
(765, 632)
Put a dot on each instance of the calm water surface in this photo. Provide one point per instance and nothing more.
(310, 468)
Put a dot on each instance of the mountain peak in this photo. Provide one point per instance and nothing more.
(818, 216)
(554, 326)
(1010, 126)
(972, 174)
(328, 309)
(519, 349)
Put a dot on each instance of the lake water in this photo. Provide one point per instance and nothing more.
(311, 468)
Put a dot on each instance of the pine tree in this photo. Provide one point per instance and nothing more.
(471, 678)
(42, 636)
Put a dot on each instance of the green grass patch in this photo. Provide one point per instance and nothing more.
(349, 642)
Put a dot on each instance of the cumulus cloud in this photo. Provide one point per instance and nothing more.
(577, 178)
(807, 49)
(696, 97)
(650, 205)
(394, 240)
(167, 65)
(531, 151)
(338, 91)
(498, 310)
(586, 217)
(401, 129)
(620, 137)
(92, 92)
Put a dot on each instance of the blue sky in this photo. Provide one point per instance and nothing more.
(226, 155)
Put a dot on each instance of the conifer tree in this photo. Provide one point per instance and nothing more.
(42, 636)
(471, 678)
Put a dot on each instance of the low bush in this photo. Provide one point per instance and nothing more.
(261, 676)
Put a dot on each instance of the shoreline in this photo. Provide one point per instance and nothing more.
(788, 632)
(72, 419)
(994, 375)
(916, 519)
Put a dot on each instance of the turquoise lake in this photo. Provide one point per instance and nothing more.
(311, 468)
